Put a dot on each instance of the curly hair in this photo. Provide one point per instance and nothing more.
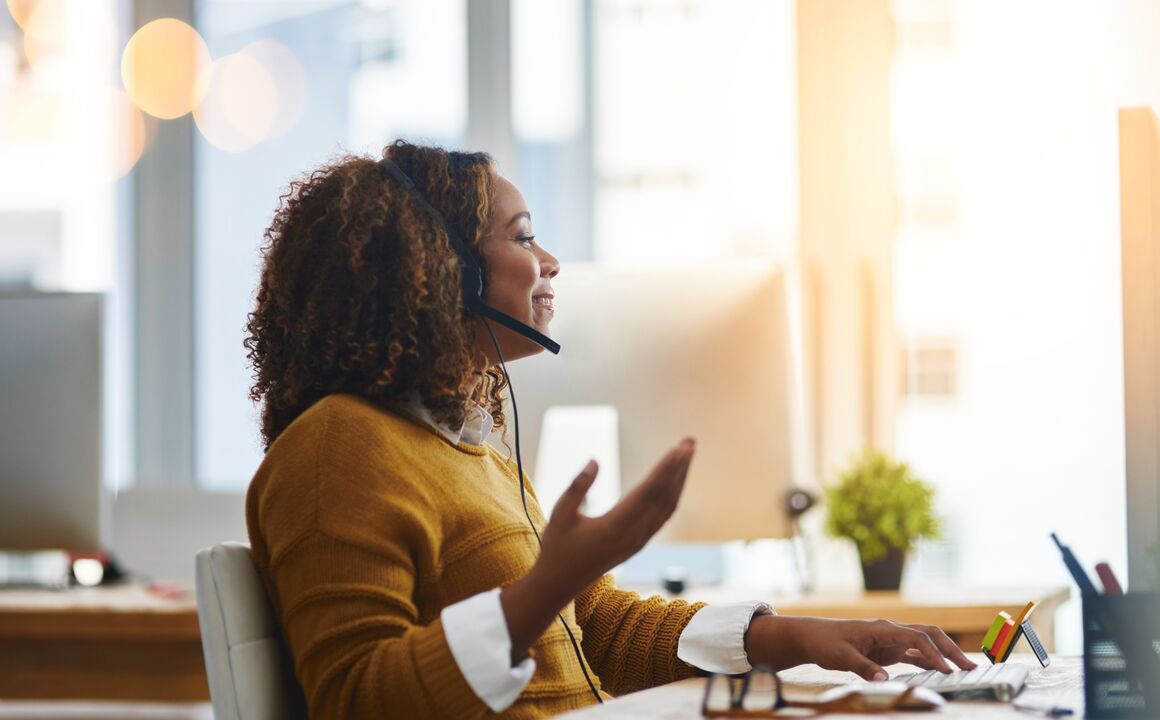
(360, 289)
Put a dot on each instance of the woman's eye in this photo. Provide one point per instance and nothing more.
(525, 239)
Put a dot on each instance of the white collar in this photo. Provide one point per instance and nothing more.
(475, 428)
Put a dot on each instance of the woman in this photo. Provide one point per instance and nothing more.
(402, 553)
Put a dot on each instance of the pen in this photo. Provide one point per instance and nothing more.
(1073, 566)
(1108, 578)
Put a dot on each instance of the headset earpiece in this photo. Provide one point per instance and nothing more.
(471, 279)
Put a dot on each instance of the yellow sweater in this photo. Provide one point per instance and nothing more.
(366, 523)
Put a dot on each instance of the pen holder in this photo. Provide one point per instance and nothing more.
(1121, 655)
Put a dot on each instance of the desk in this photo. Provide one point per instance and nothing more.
(963, 613)
(122, 643)
(115, 643)
(1060, 684)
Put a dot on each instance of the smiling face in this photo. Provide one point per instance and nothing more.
(519, 275)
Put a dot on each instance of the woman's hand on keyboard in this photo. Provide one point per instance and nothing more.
(860, 646)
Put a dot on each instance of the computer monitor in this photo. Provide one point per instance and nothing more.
(700, 351)
(50, 420)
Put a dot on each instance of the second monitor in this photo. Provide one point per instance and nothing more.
(700, 351)
(51, 495)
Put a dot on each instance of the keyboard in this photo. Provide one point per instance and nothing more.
(1002, 681)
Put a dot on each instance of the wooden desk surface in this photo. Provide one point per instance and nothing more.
(1060, 684)
(111, 643)
(124, 643)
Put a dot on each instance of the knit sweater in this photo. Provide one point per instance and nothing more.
(365, 523)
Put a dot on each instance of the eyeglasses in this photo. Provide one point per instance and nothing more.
(758, 694)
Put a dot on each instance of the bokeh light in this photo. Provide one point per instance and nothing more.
(32, 117)
(44, 24)
(289, 80)
(67, 44)
(21, 10)
(111, 140)
(239, 105)
(161, 67)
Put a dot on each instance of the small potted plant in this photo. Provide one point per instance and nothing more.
(880, 505)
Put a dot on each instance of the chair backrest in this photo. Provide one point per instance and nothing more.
(251, 676)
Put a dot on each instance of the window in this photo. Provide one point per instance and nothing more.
(614, 166)
(551, 122)
(928, 368)
(695, 117)
(1008, 260)
(344, 76)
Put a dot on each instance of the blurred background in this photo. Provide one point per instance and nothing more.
(939, 180)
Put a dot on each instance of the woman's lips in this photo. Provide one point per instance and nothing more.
(543, 303)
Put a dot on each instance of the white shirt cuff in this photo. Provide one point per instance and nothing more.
(477, 633)
(714, 640)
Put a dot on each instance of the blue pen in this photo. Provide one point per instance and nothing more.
(1086, 588)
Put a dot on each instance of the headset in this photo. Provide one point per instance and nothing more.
(470, 273)
(471, 277)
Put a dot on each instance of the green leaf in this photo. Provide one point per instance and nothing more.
(879, 503)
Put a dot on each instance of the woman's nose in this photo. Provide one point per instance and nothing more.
(549, 265)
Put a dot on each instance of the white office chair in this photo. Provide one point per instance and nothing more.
(251, 676)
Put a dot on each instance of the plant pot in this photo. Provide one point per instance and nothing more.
(885, 573)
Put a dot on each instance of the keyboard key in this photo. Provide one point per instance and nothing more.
(973, 676)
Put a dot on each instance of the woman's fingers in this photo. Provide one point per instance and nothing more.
(915, 657)
(920, 641)
(643, 511)
(919, 650)
(662, 487)
(947, 646)
(662, 491)
(569, 503)
(866, 668)
(888, 641)
(667, 479)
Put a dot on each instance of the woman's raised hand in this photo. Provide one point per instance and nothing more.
(578, 549)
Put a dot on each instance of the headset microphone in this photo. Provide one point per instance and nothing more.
(471, 274)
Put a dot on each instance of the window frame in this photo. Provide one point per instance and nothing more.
(162, 247)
